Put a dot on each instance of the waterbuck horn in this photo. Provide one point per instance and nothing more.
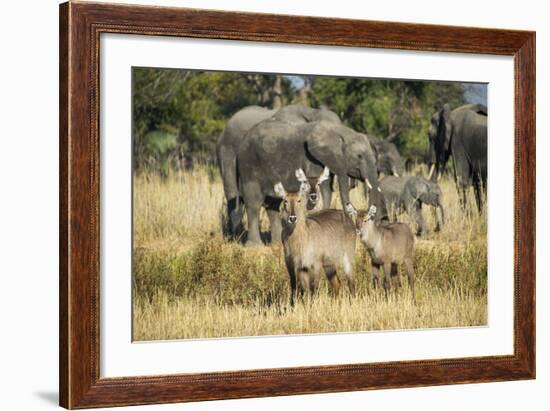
(324, 175)
(301, 176)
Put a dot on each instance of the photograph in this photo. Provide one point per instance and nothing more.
(268, 204)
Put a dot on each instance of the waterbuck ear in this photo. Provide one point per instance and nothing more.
(324, 175)
(301, 176)
(279, 190)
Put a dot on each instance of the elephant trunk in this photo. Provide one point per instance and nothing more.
(398, 169)
(440, 216)
(376, 198)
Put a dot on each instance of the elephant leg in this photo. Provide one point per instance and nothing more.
(253, 200)
(463, 198)
(272, 206)
(275, 224)
(420, 220)
(228, 169)
(478, 190)
(441, 215)
(415, 212)
(462, 173)
(253, 214)
(326, 192)
(234, 227)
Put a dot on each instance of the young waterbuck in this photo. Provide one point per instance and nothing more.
(388, 245)
(321, 241)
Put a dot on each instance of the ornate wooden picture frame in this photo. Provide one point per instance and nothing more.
(80, 27)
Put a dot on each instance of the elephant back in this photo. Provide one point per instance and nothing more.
(330, 144)
(241, 122)
(393, 187)
(300, 114)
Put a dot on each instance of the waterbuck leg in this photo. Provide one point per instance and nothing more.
(395, 276)
(333, 279)
(375, 275)
(348, 268)
(292, 275)
(314, 284)
(335, 285)
(410, 274)
(303, 282)
(387, 278)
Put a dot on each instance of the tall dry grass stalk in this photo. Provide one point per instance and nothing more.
(190, 283)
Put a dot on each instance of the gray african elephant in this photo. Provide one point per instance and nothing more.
(408, 194)
(388, 160)
(272, 152)
(462, 134)
(232, 136)
(226, 152)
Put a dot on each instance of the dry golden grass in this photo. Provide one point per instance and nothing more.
(190, 283)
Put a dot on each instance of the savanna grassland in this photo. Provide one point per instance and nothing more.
(189, 283)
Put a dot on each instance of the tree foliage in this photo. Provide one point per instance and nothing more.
(182, 111)
(396, 110)
(187, 110)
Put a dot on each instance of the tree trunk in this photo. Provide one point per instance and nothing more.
(304, 94)
(278, 92)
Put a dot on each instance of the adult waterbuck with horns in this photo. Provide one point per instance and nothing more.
(322, 241)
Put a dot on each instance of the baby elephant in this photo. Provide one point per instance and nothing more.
(408, 194)
(388, 245)
(315, 243)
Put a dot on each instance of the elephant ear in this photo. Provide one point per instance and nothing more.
(416, 187)
(326, 144)
(444, 125)
(480, 109)
(373, 145)
(446, 111)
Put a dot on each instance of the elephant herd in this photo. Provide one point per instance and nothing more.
(260, 147)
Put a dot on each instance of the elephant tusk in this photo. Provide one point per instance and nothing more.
(367, 182)
(432, 168)
(396, 174)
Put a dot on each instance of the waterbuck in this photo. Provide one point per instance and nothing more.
(321, 241)
(388, 245)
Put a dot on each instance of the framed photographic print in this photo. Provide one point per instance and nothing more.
(257, 205)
